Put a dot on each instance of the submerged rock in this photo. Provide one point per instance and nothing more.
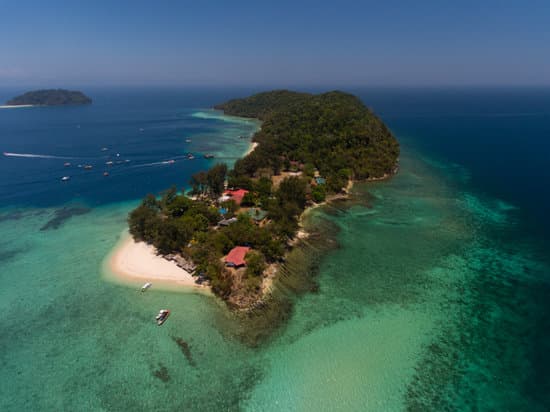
(63, 214)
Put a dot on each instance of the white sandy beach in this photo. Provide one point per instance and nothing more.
(133, 262)
(253, 146)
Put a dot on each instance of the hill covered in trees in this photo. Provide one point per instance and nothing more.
(332, 132)
(50, 97)
(310, 146)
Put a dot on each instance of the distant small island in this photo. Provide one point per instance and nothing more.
(50, 97)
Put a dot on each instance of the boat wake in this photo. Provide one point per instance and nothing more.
(33, 155)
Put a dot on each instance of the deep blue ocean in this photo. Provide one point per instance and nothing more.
(436, 299)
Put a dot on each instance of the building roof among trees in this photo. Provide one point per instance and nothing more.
(236, 256)
(236, 195)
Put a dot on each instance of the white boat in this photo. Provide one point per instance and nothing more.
(146, 286)
(66, 164)
(187, 140)
(110, 162)
(162, 316)
(65, 178)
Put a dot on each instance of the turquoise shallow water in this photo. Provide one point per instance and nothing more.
(433, 297)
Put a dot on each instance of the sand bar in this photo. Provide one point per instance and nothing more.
(135, 263)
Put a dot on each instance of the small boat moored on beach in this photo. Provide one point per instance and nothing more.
(146, 286)
(162, 316)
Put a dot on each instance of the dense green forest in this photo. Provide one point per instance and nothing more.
(50, 97)
(332, 132)
(310, 146)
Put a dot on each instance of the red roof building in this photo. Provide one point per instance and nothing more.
(236, 195)
(236, 256)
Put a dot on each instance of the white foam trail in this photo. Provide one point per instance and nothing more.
(33, 155)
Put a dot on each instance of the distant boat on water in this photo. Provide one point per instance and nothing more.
(65, 178)
(88, 167)
(104, 149)
(208, 156)
(187, 140)
(66, 164)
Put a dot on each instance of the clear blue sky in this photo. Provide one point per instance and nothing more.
(337, 42)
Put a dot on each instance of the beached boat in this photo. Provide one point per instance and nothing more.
(162, 316)
(146, 286)
(65, 178)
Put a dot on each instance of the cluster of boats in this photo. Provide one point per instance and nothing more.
(89, 166)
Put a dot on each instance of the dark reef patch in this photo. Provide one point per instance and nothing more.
(162, 373)
(7, 254)
(186, 350)
(63, 214)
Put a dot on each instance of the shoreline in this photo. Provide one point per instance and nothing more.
(132, 263)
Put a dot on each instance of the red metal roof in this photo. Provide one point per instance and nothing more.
(237, 195)
(236, 255)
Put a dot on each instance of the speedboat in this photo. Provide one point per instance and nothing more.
(65, 178)
(146, 286)
(162, 316)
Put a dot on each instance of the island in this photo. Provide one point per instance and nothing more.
(50, 97)
(233, 228)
